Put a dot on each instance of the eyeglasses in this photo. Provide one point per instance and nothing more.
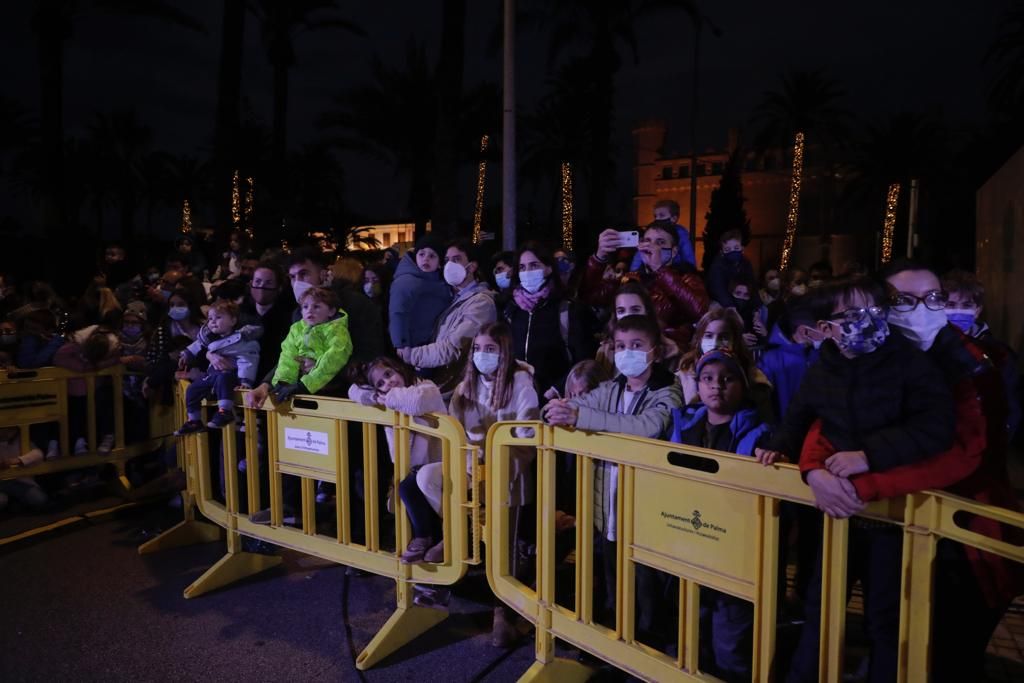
(903, 302)
(853, 315)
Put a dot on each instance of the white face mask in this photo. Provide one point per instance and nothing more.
(368, 289)
(798, 290)
(711, 343)
(486, 363)
(631, 362)
(299, 288)
(920, 325)
(454, 273)
(503, 280)
(532, 280)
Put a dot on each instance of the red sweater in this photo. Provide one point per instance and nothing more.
(970, 469)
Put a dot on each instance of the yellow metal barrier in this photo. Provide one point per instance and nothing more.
(31, 397)
(310, 440)
(710, 520)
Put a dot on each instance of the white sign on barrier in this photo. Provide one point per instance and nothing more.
(306, 441)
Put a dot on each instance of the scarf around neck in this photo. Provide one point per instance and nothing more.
(527, 301)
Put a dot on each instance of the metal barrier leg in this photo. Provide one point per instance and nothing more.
(408, 622)
(189, 531)
(234, 566)
(558, 670)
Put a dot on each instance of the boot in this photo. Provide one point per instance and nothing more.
(503, 631)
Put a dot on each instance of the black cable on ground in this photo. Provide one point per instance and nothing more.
(345, 583)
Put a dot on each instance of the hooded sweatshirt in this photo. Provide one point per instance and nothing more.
(417, 300)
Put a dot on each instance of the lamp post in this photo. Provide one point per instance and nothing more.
(508, 132)
(698, 25)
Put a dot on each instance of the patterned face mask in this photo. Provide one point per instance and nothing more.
(862, 331)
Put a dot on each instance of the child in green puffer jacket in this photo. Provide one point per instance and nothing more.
(316, 349)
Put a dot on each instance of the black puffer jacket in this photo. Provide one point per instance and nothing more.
(894, 404)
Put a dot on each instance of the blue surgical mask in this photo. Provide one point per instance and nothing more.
(486, 363)
(862, 337)
(178, 313)
(734, 256)
(666, 256)
(631, 362)
(532, 280)
(131, 331)
(503, 280)
(564, 265)
(962, 318)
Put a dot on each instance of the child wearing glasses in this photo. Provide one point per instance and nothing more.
(882, 403)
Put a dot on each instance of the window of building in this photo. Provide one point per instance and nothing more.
(684, 171)
(387, 239)
(716, 168)
(666, 173)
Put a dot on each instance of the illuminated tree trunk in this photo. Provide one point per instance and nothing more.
(794, 200)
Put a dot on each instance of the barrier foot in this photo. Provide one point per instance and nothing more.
(189, 532)
(403, 626)
(230, 568)
(559, 669)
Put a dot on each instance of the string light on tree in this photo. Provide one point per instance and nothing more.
(186, 218)
(247, 212)
(891, 202)
(236, 203)
(794, 200)
(567, 216)
(481, 176)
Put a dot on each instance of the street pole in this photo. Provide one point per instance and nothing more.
(912, 219)
(699, 23)
(508, 138)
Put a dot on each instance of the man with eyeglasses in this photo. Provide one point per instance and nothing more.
(972, 588)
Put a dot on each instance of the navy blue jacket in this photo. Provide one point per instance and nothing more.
(746, 428)
(417, 301)
(784, 363)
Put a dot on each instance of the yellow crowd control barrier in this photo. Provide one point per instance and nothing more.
(34, 397)
(710, 521)
(310, 439)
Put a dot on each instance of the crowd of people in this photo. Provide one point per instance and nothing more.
(877, 385)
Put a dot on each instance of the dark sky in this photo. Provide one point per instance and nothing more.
(890, 56)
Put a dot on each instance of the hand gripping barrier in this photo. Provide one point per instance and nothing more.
(710, 520)
(33, 397)
(311, 441)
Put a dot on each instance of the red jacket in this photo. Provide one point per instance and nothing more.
(974, 468)
(680, 299)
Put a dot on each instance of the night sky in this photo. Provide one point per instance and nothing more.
(915, 55)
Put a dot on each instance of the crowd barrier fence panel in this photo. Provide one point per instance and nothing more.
(40, 396)
(709, 520)
(308, 438)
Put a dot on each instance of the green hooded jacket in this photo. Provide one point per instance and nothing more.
(328, 343)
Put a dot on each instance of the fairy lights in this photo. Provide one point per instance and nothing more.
(481, 176)
(891, 202)
(567, 215)
(236, 203)
(794, 199)
(186, 218)
(247, 211)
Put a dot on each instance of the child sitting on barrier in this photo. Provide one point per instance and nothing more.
(882, 403)
(724, 420)
(317, 347)
(391, 383)
(219, 336)
(639, 401)
(494, 387)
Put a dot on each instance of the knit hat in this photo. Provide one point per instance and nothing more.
(722, 356)
(429, 241)
(136, 309)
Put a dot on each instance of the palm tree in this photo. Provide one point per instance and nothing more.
(810, 103)
(280, 22)
(386, 119)
(53, 24)
(122, 142)
(1006, 54)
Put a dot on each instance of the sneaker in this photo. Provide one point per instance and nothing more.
(435, 597)
(263, 516)
(222, 419)
(106, 444)
(416, 550)
(190, 427)
(81, 446)
(52, 450)
(436, 554)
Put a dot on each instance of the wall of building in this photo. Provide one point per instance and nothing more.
(1000, 246)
